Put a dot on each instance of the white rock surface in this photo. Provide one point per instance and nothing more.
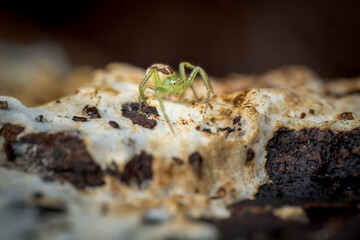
(176, 193)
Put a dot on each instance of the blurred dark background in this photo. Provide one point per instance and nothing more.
(222, 36)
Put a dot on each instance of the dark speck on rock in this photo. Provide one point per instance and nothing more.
(3, 105)
(39, 118)
(226, 129)
(114, 124)
(347, 116)
(206, 130)
(91, 112)
(237, 120)
(79, 119)
(195, 161)
(250, 155)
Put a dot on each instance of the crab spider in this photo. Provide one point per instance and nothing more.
(166, 81)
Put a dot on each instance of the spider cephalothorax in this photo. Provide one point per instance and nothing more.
(166, 81)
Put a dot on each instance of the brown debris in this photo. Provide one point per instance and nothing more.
(10, 131)
(114, 124)
(311, 111)
(195, 160)
(3, 105)
(63, 157)
(303, 115)
(91, 112)
(250, 155)
(79, 119)
(150, 111)
(131, 110)
(321, 164)
(144, 122)
(139, 169)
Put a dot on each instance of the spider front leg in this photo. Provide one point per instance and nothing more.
(142, 87)
(160, 100)
(188, 81)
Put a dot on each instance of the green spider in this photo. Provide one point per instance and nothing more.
(166, 81)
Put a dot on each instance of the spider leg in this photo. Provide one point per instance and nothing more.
(192, 67)
(184, 79)
(142, 87)
(192, 76)
(157, 93)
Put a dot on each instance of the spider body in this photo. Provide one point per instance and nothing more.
(166, 81)
(172, 85)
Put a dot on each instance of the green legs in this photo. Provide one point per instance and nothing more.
(158, 96)
(189, 81)
(170, 83)
(142, 87)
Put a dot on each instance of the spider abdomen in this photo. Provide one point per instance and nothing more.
(163, 70)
